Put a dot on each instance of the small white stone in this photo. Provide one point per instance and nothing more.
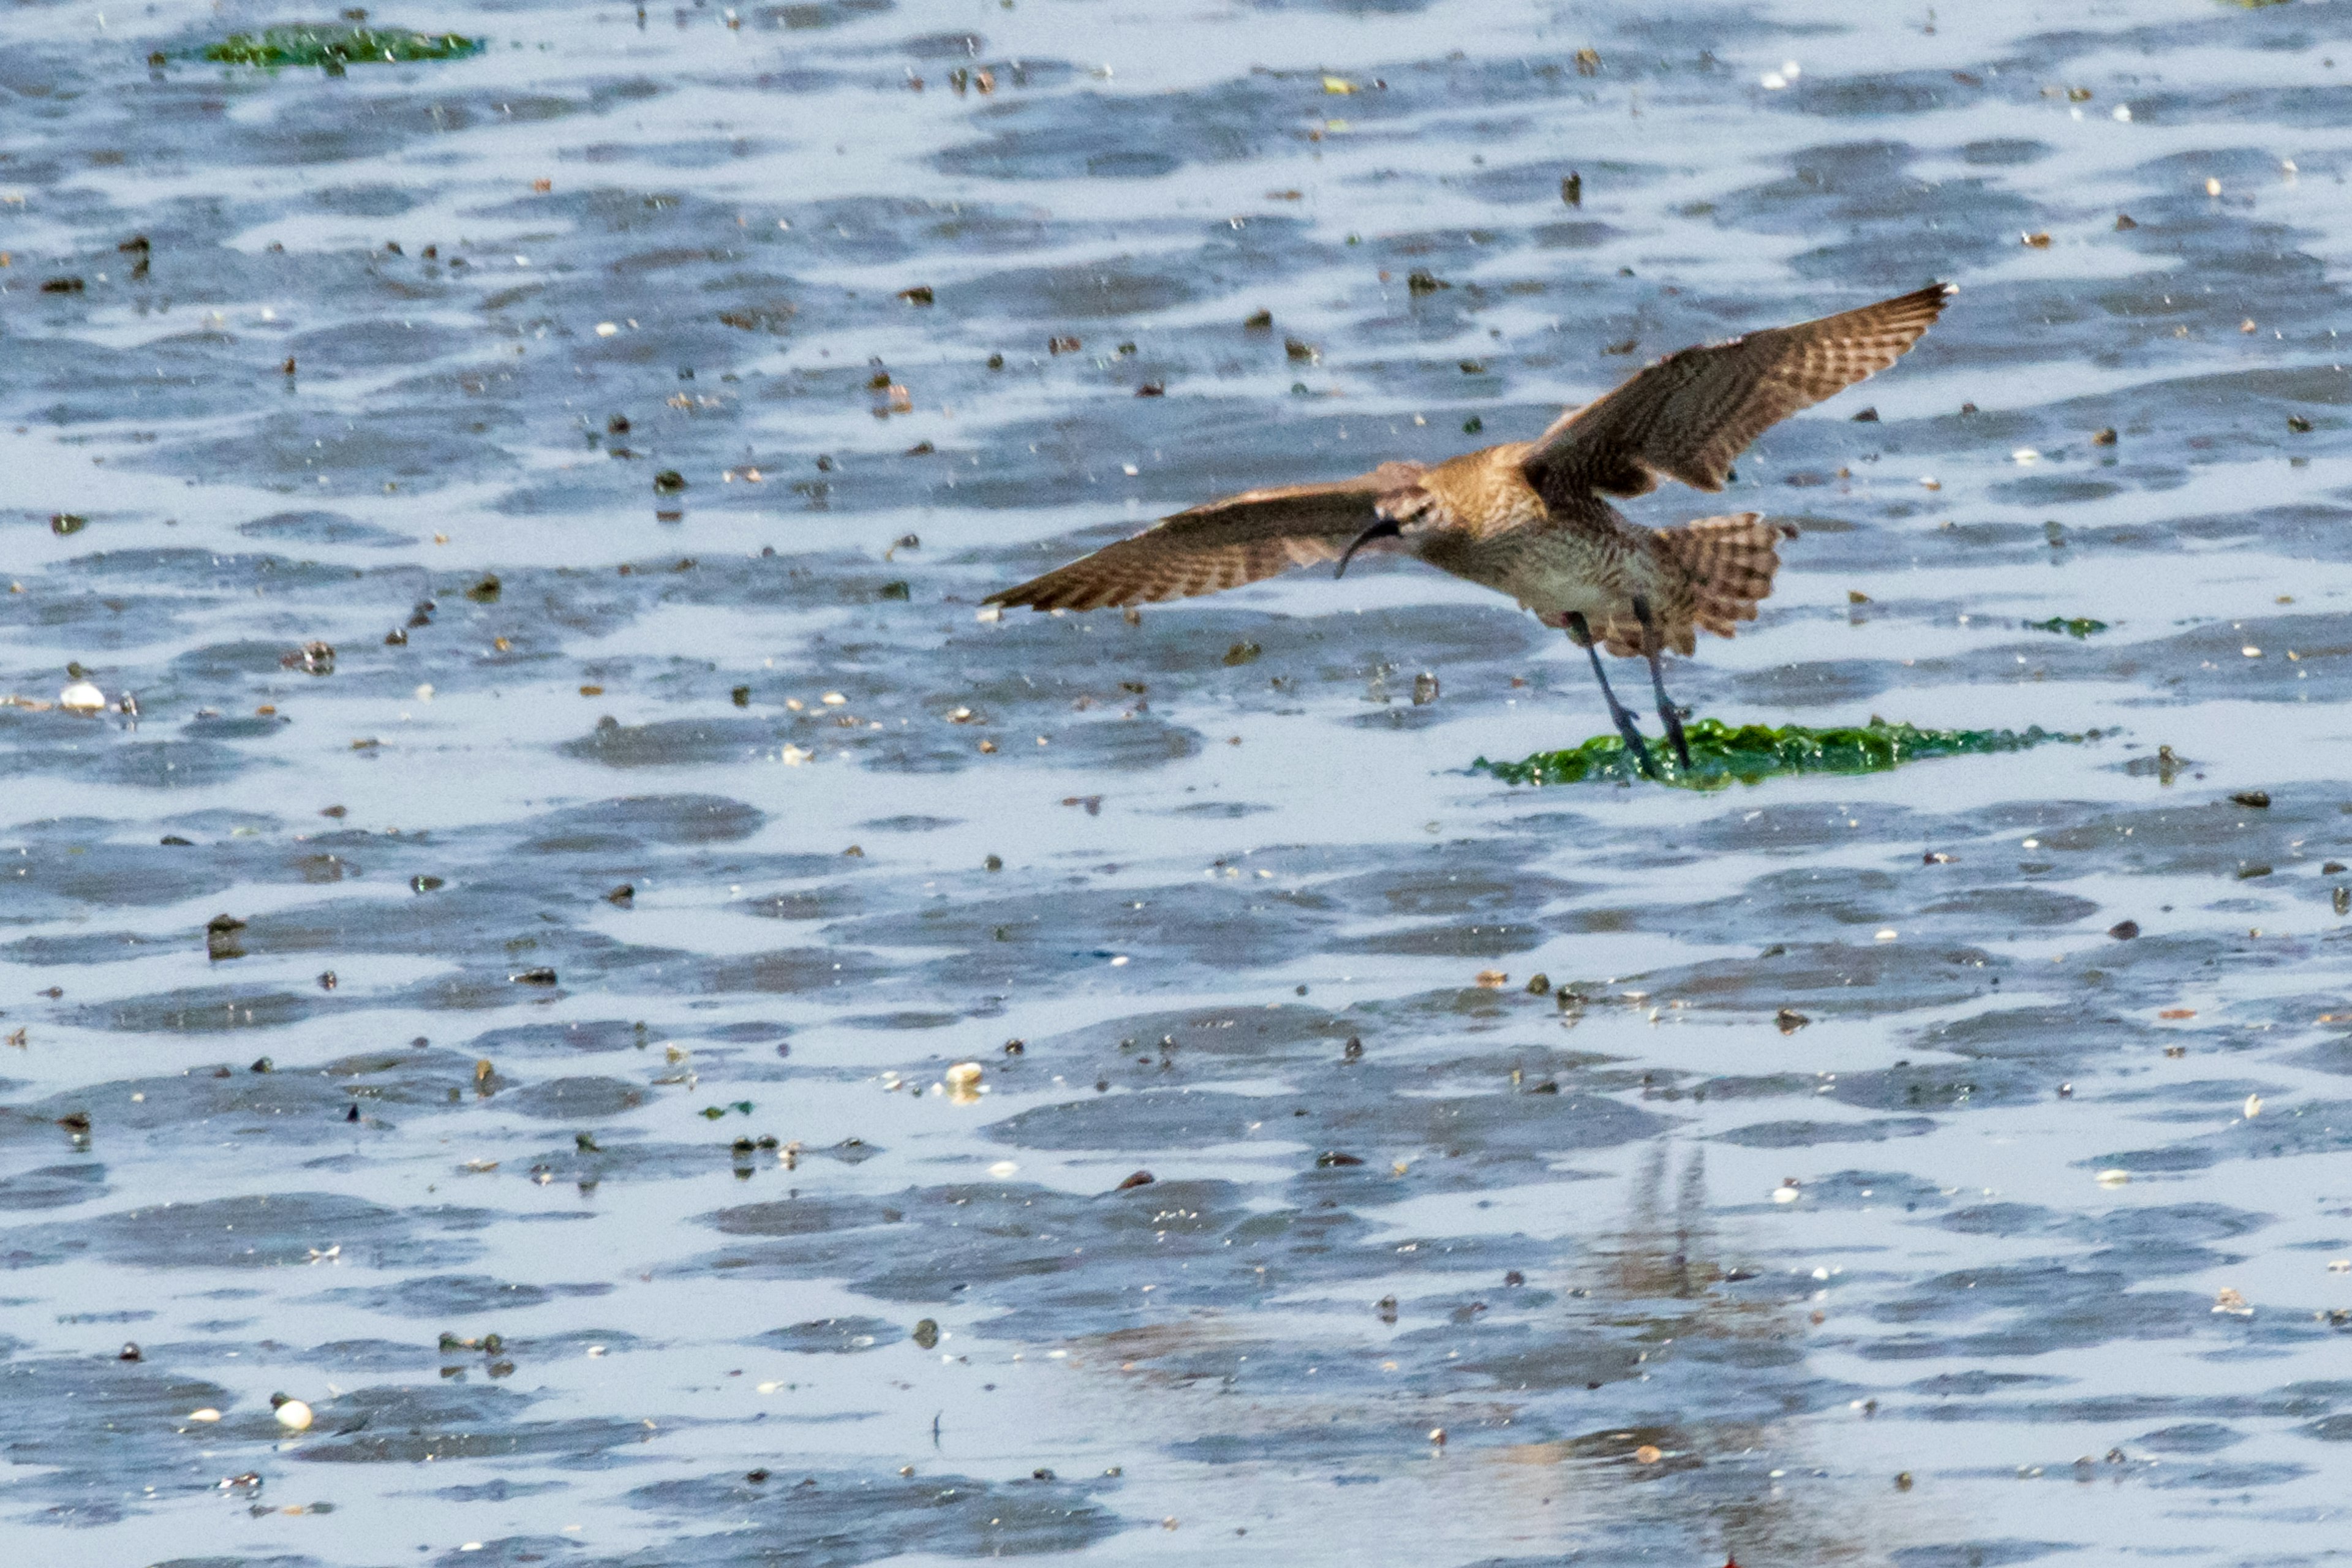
(294, 1415)
(2122, 113)
(82, 696)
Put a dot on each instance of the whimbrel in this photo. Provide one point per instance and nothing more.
(1530, 519)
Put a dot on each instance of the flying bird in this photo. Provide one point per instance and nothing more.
(1531, 519)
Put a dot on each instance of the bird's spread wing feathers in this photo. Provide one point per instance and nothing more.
(1690, 416)
(1221, 545)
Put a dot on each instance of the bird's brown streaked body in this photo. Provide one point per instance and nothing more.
(1532, 518)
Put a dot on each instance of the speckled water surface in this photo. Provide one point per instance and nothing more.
(618, 892)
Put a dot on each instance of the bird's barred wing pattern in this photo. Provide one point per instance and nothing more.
(1221, 545)
(1690, 416)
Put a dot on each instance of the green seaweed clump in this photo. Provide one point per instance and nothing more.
(2077, 627)
(336, 47)
(1749, 753)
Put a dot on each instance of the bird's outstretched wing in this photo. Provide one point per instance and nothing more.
(1221, 545)
(1690, 416)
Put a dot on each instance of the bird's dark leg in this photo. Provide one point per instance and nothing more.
(1652, 646)
(1581, 634)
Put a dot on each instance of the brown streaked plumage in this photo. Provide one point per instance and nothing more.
(1530, 519)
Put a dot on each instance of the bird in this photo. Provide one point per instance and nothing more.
(1533, 519)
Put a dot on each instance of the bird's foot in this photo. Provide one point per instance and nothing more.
(1633, 741)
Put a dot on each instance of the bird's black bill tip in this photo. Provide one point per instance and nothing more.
(1384, 529)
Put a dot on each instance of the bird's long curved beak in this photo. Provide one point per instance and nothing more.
(1385, 529)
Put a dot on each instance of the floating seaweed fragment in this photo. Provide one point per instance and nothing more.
(336, 47)
(2071, 626)
(1750, 753)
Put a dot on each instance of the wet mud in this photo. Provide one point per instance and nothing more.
(583, 1002)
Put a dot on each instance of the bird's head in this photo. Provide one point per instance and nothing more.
(1402, 514)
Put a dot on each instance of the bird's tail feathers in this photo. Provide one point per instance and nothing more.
(1728, 562)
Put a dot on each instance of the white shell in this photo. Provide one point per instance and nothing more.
(81, 697)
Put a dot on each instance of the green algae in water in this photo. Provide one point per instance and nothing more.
(2078, 626)
(336, 47)
(1749, 753)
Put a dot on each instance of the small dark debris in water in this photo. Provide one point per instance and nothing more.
(1539, 985)
(1062, 345)
(1867, 416)
(1473, 367)
(327, 981)
(352, 1115)
(1967, 408)
(423, 884)
(666, 517)
(1354, 1050)
(76, 1123)
(2124, 221)
(131, 1352)
(2331, 868)
(1387, 1308)
(263, 1063)
(2252, 873)
(922, 449)
(920, 294)
(177, 842)
(899, 591)
(1241, 653)
(755, 1477)
(927, 1334)
(1903, 1481)
(1300, 350)
(994, 863)
(669, 481)
(740, 696)
(62, 523)
(2258, 800)
(2341, 901)
(1572, 190)
(1588, 60)
(2298, 424)
(221, 925)
(2103, 437)
(1331, 1159)
(1789, 1020)
(2077, 627)
(742, 1145)
(2124, 931)
(623, 895)
(854, 852)
(1514, 1277)
(1139, 1179)
(336, 811)
(1422, 280)
(1622, 347)
(1258, 321)
(62, 286)
(1472, 425)
(311, 659)
(486, 591)
(1015, 1047)
(541, 976)
(1041, 1474)
(1151, 389)
(996, 362)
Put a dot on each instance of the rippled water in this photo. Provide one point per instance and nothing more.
(1847, 1193)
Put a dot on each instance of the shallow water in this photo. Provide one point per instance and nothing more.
(1834, 1201)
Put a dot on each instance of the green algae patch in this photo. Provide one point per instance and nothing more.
(2076, 626)
(337, 48)
(1749, 753)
